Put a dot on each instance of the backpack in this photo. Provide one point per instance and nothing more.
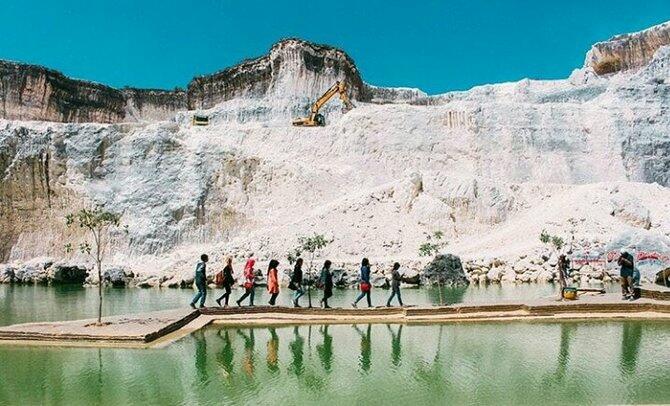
(218, 278)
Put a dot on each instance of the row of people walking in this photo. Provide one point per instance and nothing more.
(226, 279)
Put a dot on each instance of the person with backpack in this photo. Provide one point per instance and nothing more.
(201, 281)
(365, 283)
(273, 281)
(326, 281)
(296, 282)
(224, 279)
(395, 285)
(627, 264)
(249, 281)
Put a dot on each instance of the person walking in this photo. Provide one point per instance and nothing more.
(273, 281)
(201, 281)
(562, 274)
(365, 283)
(296, 282)
(395, 285)
(227, 281)
(627, 264)
(249, 279)
(326, 281)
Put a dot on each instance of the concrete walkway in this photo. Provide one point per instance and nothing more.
(161, 328)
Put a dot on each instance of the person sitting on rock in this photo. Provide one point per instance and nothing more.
(201, 281)
(635, 285)
(627, 265)
(365, 286)
(395, 285)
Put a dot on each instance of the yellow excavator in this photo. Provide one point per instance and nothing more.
(315, 119)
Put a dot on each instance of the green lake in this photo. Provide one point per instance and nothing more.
(600, 362)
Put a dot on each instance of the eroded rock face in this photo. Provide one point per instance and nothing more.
(628, 51)
(30, 92)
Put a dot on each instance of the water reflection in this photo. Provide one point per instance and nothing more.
(273, 351)
(365, 359)
(226, 354)
(201, 357)
(396, 349)
(630, 347)
(325, 349)
(248, 358)
(296, 347)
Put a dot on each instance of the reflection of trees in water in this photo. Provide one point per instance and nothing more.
(248, 359)
(396, 348)
(432, 374)
(550, 379)
(630, 346)
(225, 356)
(365, 359)
(325, 349)
(272, 353)
(450, 294)
(296, 346)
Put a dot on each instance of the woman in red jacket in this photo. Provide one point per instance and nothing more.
(273, 281)
(249, 278)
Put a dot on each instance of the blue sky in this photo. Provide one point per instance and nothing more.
(434, 45)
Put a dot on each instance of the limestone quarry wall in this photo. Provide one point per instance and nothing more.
(628, 51)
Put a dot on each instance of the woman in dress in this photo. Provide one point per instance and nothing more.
(273, 281)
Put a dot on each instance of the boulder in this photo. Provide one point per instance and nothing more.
(446, 270)
(173, 282)
(494, 274)
(116, 276)
(379, 281)
(412, 277)
(509, 276)
(483, 280)
(525, 277)
(67, 274)
(544, 276)
(151, 282)
(6, 274)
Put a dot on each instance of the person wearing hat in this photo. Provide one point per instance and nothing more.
(626, 262)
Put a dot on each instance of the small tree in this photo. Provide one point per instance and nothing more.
(555, 241)
(311, 245)
(97, 223)
(432, 247)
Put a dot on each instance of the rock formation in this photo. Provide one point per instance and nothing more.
(587, 158)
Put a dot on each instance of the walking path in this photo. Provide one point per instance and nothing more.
(161, 328)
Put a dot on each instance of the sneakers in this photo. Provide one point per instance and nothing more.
(354, 305)
(192, 305)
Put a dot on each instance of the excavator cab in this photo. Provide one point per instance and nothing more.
(317, 119)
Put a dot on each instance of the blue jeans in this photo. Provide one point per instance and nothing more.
(395, 291)
(361, 297)
(202, 293)
(298, 294)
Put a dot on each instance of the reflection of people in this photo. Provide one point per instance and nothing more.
(225, 357)
(366, 348)
(627, 264)
(296, 347)
(396, 348)
(248, 360)
(201, 356)
(564, 349)
(273, 348)
(365, 283)
(326, 280)
(249, 279)
(273, 281)
(201, 281)
(395, 285)
(630, 346)
(325, 350)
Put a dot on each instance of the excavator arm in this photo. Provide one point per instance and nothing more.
(316, 119)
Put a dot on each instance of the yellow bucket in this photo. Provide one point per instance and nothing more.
(570, 293)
